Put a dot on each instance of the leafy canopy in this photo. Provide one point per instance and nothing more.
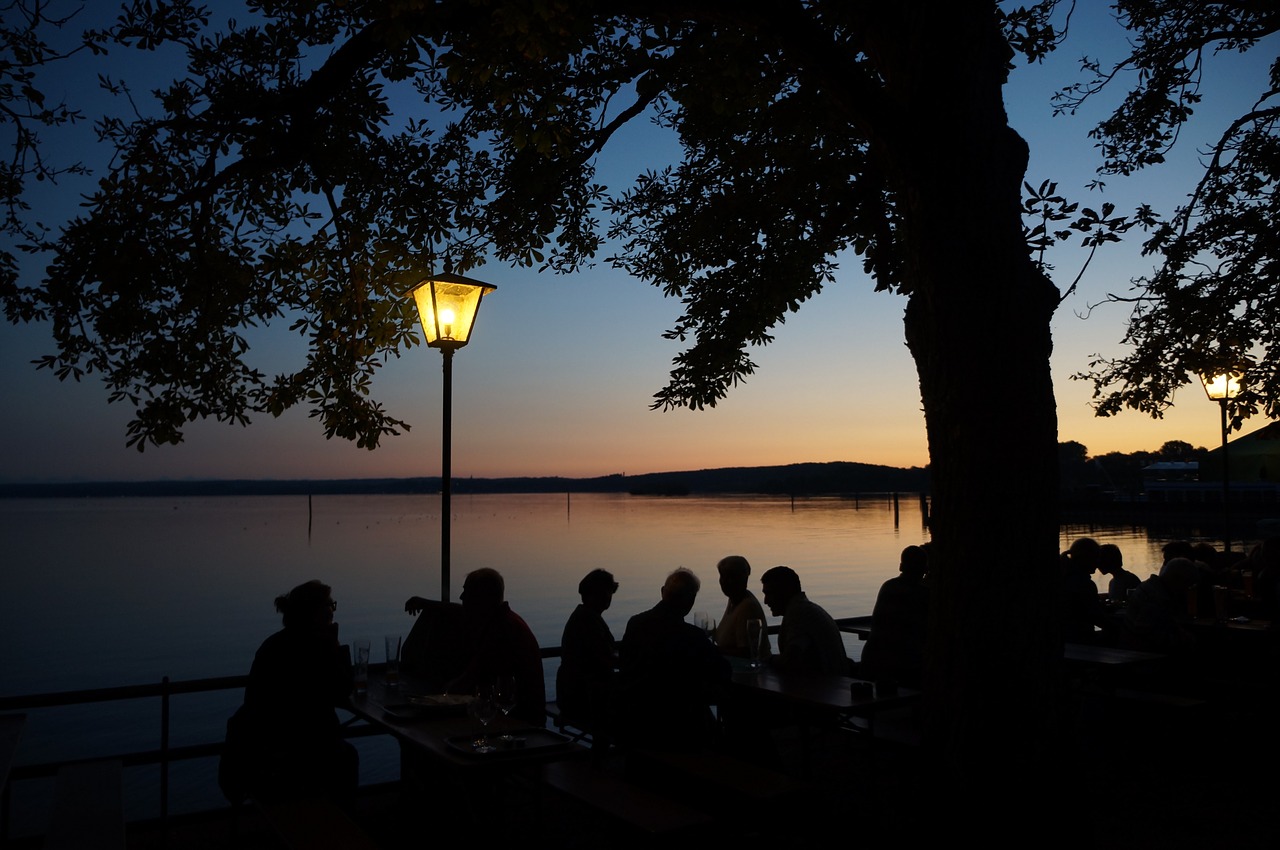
(1213, 304)
(312, 159)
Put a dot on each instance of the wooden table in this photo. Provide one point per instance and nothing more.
(435, 733)
(1090, 655)
(817, 692)
(811, 702)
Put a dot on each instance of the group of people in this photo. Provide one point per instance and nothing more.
(657, 688)
(1154, 614)
(653, 688)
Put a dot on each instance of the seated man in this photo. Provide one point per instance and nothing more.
(585, 681)
(499, 643)
(731, 633)
(809, 640)
(669, 673)
(895, 647)
(1111, 563)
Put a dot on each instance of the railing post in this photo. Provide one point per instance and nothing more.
(164, 753)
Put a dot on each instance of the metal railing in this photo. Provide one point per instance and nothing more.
(165, 690)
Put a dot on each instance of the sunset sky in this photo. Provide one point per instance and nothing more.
(560, 371)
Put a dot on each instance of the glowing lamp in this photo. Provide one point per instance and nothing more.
(447, 305)
(1223, 387)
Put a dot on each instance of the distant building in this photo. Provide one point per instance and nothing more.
(1254, 458)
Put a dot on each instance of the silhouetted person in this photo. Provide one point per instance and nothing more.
(1111, 563)
(669, 673)
(899, 621)
(1079, 607)
(500, 643)
(1156, 617)
(809, 640)
(1264, 561)
(731, 633)
(435, 652)
(586, 682)
(285, 740)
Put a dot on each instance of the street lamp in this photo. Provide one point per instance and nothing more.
(1223, 388)
(448, 304)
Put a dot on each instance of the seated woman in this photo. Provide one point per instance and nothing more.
(285, 740)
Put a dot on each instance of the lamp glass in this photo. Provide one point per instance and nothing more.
(1222, 387)
(447, 306)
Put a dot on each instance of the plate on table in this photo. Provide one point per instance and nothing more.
(512, 743)
(405, 711)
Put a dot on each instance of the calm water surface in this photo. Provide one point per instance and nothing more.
(105, 592)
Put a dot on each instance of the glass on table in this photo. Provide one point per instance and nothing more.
(483, 708)
(360, 665)
(505, 694)
(755, 642)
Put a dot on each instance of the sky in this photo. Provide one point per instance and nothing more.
(559, 374)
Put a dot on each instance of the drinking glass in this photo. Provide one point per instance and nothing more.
(755, 640)
(393, 660)
(700, 619)
(506, 694)
(483, 708)
(360, 665)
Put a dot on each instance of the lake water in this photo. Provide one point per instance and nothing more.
(107, 592)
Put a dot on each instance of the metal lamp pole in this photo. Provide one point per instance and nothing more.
(1222, 388)
(447, 305)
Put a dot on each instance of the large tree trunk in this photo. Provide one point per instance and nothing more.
(977, 325)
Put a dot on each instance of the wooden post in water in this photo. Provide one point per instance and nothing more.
(308, 519)
(895, 510)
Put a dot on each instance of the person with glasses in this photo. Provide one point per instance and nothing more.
(285, 741)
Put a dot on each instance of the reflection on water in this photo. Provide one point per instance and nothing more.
(114, 591)
(103, 592)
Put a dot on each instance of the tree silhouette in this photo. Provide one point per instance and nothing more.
(268, 182)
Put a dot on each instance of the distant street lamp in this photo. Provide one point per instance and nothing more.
(448, 304)
(1223, 388)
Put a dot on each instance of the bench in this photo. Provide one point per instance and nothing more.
(314, 824)
(645, 812)
(88, 807)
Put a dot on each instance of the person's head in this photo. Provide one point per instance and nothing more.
(483, 589)
(307, 606)
(1083, 555)
(780, 584)
(734, 572)
(1109, 559)
(597, 588)
(1207, 554)
(1178, 549)
(681, 590)
(914, 562)
(1178, 575)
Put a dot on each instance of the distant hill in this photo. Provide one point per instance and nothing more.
(797, 479)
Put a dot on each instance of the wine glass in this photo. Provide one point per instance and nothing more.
(506, 694)
(483, 708)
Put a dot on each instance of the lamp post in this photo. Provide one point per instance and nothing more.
(447, 305)
(1222, 388)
